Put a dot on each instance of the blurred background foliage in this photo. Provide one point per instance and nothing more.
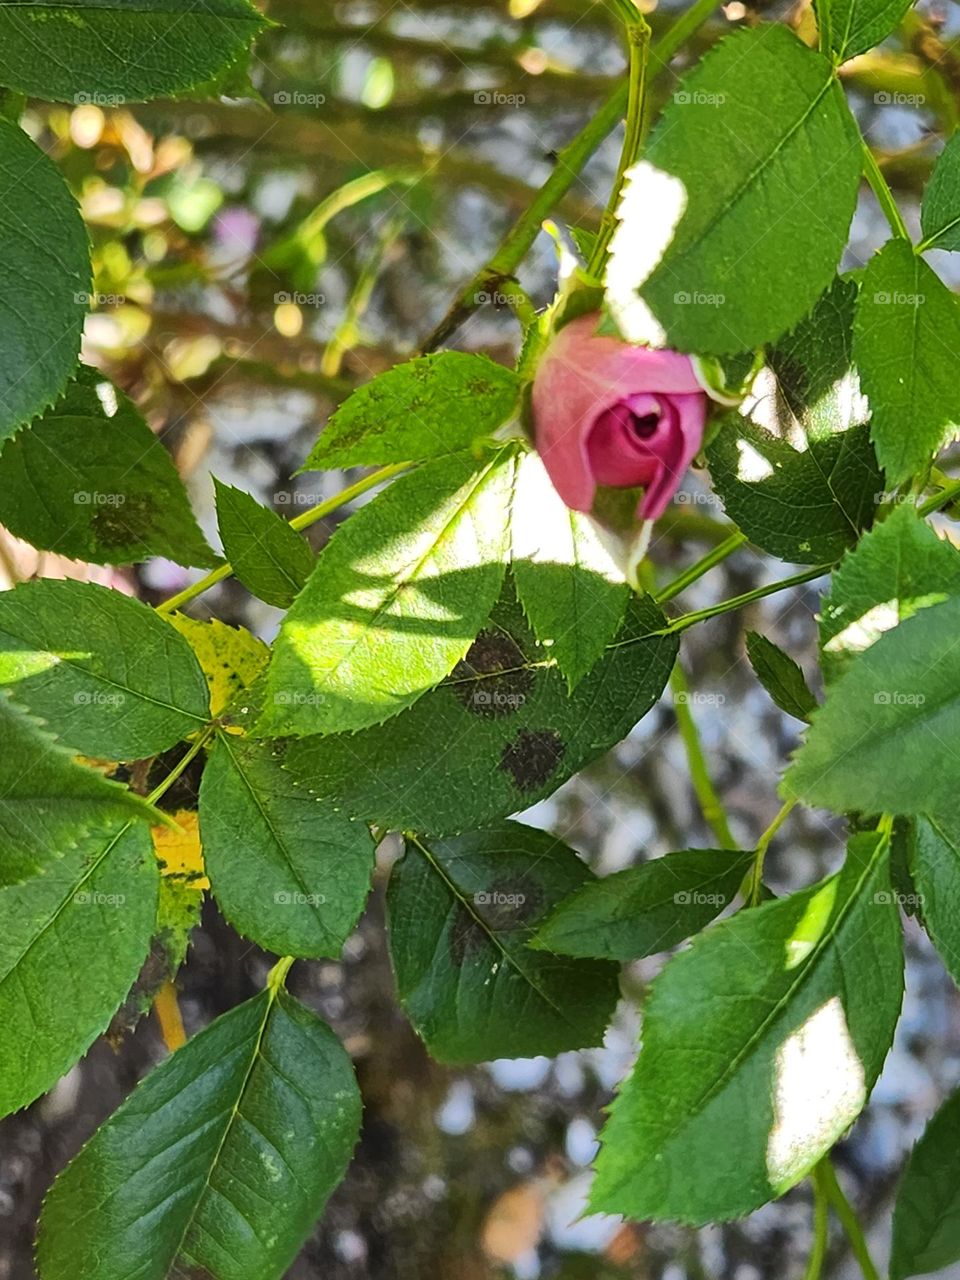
(255, 259)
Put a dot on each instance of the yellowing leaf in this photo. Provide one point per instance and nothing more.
(179, 852)
(231, 657)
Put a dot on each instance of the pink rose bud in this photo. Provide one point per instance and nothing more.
(607, 413)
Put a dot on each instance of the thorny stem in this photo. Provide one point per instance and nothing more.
(516, 244)
(638, 39)
(754, 882)
(821, 1221)
(848, 1219)
(883, 193)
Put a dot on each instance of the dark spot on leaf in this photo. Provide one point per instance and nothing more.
(531, 757)
(510, 903)
(124, 523)
(493, 679)
(466, 936)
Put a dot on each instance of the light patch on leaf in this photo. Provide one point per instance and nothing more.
(752, 466)
(819, 1089)
(231, 658)
(652, 204)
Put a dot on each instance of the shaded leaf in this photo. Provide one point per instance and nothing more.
(502, 732)
(44, 275)
(287, 870)
(934, 864)
(926, 1216)
(47, 802)
(218, 1163)
(883, 740)
(940, 211)
(906, 336)
(761, 1044)
(109, 677)
(854, 26)
(461, 912)
(900, 566)
(780, 676)
(71, 946)
(90, 480)
(645, 909)
(86, 51)
(272, 560)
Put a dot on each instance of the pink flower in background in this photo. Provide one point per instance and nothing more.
(607, 413)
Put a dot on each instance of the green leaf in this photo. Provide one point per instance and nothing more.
(645, 909)
(461, 912)
(44, 277)
(905, 340)
(71, 947)
(926, 1216)
(780, 676)
(899, 567)
(940, 211)
(813, 366)
(109, 677)
(760, 1046)
(934, 863)
(571, 591)
(882, 741)
(427, 408)
(699, 263)
(110, 52)
(272, 560)
(502, 732)
(90, 480)
(47, 802)
(398, 594)
(807, 505)
(287, 870)
(857, 25)
(219, 1162)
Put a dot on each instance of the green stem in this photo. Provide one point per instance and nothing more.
(298, 522)
(348, 330)
(941, 499)
(702, 566)
(754, 884)
(883, 193)
(516, 244)
(848, 1219)
(710, 804)
(821, 1219)
(737, 602)
(203, 737)
(638, 39)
